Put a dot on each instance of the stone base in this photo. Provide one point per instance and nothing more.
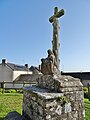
(54, 99)
(60, 83)
(41, 104)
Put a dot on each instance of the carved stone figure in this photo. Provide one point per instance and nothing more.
(48, 64)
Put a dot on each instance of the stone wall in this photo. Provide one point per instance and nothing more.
(54, 98)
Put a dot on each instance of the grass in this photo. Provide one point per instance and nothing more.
(87, 109)
(10, 102)
(13, 102)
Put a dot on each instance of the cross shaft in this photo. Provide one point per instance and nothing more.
(56, 39)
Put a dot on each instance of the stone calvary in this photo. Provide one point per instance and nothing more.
(50, 65)
(55, 97)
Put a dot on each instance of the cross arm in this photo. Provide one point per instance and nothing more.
(57, 15)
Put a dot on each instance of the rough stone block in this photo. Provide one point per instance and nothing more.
(54, 98)
(60, 83)
(67, 107)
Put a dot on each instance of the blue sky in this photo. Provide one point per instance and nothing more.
(26, 34)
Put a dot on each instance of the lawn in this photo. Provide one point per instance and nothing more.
(13, 102)
(10, 102)
(87, 109)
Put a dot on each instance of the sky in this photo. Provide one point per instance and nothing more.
(26, 33)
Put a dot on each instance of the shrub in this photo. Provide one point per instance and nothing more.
(13, 91)
(10, 91)
(7, 91)
(86, 95)
(1, 90)
(89, 96)
(85, 90)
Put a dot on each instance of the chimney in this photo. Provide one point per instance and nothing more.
(26, 65)
(4, 61)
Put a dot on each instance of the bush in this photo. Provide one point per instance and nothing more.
(13, 91)
(89, 96)
(7, 91)
(85, 90)
(1, 90)
(86, 95)
(10, 91)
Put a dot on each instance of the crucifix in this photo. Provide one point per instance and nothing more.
(56, 38)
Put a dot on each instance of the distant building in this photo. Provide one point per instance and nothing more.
(83, 76)
(9, 72)
(27, 78)
(35, 70)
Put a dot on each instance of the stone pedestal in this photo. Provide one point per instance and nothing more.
(54, 98)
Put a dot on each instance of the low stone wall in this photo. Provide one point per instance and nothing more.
(54, 98)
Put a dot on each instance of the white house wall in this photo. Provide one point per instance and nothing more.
(6, 73)
(17, 73)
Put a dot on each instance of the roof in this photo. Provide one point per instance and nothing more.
(27, 78)
(17, 67)
(80, 75)
(35, 70)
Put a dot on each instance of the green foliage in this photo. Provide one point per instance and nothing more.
(86, 94)
(1, 90)
(64, 99)
(87, 109)
(85, 90)
(89, 96)
(13, 91)
(7, 90)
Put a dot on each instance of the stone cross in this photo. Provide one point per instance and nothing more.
(56, 28)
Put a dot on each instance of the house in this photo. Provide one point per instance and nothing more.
(9, 72)
(83, 76)
(29, 78)
(35, 70)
